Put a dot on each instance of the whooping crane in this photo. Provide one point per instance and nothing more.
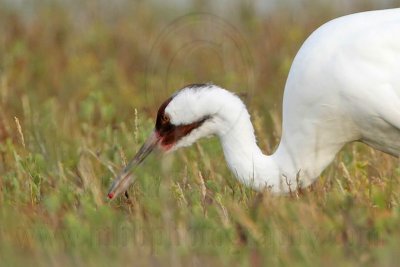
(343, 86)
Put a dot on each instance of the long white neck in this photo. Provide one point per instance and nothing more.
(243, 156)
(288, 168)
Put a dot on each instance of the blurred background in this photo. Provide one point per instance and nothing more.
(80, 84)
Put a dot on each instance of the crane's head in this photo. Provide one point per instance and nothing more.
(185, 117)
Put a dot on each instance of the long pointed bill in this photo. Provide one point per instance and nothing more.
(125, 178)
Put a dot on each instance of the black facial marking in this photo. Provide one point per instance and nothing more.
(162, 126)
(198, 85)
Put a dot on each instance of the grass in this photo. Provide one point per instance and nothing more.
(79, 87)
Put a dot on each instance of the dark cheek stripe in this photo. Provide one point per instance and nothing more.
(178, 132)
(159, 123)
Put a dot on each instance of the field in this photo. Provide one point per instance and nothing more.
(80, 84)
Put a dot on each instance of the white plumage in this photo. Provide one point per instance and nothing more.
(343, 86)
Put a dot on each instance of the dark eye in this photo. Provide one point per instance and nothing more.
(165, 118)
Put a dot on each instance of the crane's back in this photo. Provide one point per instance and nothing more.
(343, 86)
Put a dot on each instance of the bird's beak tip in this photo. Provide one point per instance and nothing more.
(124, 179)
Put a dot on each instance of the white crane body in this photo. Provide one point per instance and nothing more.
(343, 86)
